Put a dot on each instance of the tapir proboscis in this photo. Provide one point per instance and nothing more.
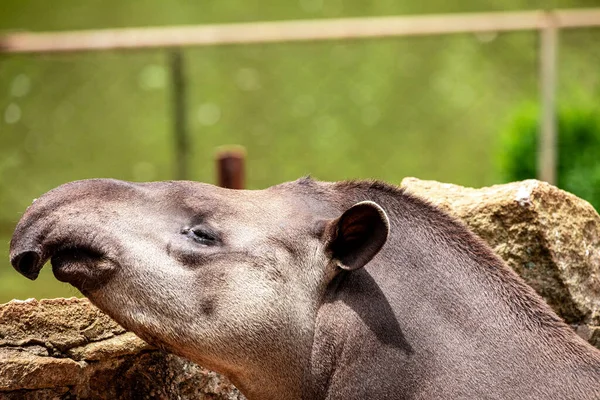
(308, 290)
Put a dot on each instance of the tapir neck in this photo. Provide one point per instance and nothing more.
(434, 298)
(276, 371)
(441, 261)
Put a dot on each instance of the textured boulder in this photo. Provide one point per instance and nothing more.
(68, 349)
(548, 236)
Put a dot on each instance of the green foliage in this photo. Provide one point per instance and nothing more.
(578, 169)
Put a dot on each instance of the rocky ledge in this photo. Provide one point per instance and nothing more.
(68, 349)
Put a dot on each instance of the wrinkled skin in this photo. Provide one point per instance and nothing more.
(308, 289)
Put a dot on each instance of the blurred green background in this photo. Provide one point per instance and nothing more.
(431, 107)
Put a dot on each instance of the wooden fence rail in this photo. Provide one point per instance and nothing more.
(547, 23)
(293, 31)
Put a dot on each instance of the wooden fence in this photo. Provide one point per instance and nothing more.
(547, 23)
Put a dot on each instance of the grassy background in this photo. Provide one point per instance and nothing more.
(430, 107)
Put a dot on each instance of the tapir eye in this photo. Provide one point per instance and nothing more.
(200, 234)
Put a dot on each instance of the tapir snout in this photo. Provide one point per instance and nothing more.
(74, 227)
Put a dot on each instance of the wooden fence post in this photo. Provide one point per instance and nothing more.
(231, 167)
(547, 148)
(180, 134)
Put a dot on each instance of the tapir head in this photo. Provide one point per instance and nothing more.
(223, 277)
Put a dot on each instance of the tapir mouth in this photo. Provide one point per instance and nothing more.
(84, 267)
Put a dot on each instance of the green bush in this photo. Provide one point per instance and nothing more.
(578, 150)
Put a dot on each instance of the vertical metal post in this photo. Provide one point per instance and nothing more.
(547, 150)
(180, 134)
(230, 167)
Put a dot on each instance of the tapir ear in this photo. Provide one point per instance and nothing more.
(358, 235)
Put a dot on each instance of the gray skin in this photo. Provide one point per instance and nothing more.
(308, 290)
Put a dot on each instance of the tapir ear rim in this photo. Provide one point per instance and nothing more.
(384, 217)
(357, 235)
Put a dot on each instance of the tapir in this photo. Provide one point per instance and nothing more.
(308, 289)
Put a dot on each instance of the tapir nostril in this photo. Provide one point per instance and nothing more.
(27, 263)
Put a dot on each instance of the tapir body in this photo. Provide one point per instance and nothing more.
(309, 290)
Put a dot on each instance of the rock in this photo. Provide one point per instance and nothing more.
(57, 324)
(548, 236)
(119, 346)
(68, 349)
(20, 369)
(42, 394)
